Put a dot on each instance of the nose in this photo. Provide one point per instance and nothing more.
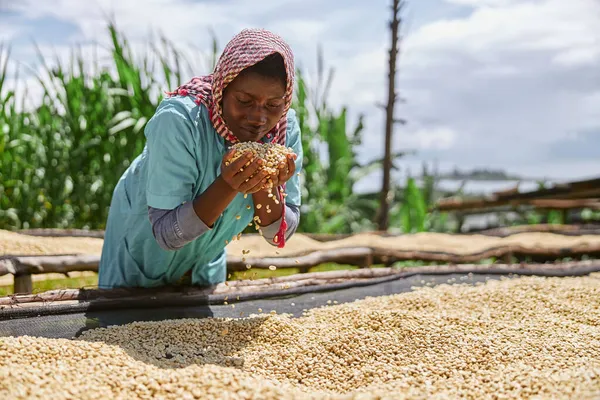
(257, 117)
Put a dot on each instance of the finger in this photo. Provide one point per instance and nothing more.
(262, 186)
(282, 175)
(245, 173)
(288, 171)
(262, 183)
(255, 181)
(291, 169)
(281, 169)
(273, 181)
(291, 162)
(241, 161)
(228, 156)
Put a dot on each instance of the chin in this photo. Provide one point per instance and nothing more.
(248, 139)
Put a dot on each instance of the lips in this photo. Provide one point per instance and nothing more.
(252, 133)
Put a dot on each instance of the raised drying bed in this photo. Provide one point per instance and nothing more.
(81, 300)
(24, 255)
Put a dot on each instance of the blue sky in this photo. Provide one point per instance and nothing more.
(512, 84)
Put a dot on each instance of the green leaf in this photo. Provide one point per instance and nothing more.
(122, 126)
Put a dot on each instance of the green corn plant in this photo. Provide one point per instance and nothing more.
(410, 212)
(19, 146)
(313, 171)
(413, 210)
(62, 159)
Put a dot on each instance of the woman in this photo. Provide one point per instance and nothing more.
(180, 201)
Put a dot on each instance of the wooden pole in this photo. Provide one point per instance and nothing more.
(385, 198)
(23, 284)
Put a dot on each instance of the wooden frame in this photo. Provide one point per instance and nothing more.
(77, 300)
(23, 267)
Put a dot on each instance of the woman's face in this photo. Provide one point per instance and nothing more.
(252, 105)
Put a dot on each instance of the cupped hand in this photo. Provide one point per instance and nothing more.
(243, 178)
(285, 170)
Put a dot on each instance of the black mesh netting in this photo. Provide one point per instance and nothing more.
(72, 324)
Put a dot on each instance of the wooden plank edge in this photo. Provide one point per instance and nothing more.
(360, 256)
(299, 280)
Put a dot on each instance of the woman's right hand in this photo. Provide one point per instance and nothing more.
(243, 179)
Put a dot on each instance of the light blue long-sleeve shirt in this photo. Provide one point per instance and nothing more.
(144, 247)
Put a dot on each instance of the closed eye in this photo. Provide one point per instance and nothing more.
(244, 102)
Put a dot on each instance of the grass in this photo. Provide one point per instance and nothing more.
(92, 281)
(54, 284)
(265, 273)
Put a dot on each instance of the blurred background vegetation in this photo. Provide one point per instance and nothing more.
(61, 157)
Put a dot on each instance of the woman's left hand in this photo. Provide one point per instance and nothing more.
(286, 171)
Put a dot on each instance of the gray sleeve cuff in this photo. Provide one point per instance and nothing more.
(175, 228)
(190, 225)
(292, 218)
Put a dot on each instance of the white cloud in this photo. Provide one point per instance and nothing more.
(496, 71)
(301, 30)
(590, 109)
(179, 19)
(8, 32)
(542, 25)
(511, 79)
(578, 57)
(429, 138)
(483, 3)
(361, 78)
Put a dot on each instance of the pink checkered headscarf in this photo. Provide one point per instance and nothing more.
(245, 49)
